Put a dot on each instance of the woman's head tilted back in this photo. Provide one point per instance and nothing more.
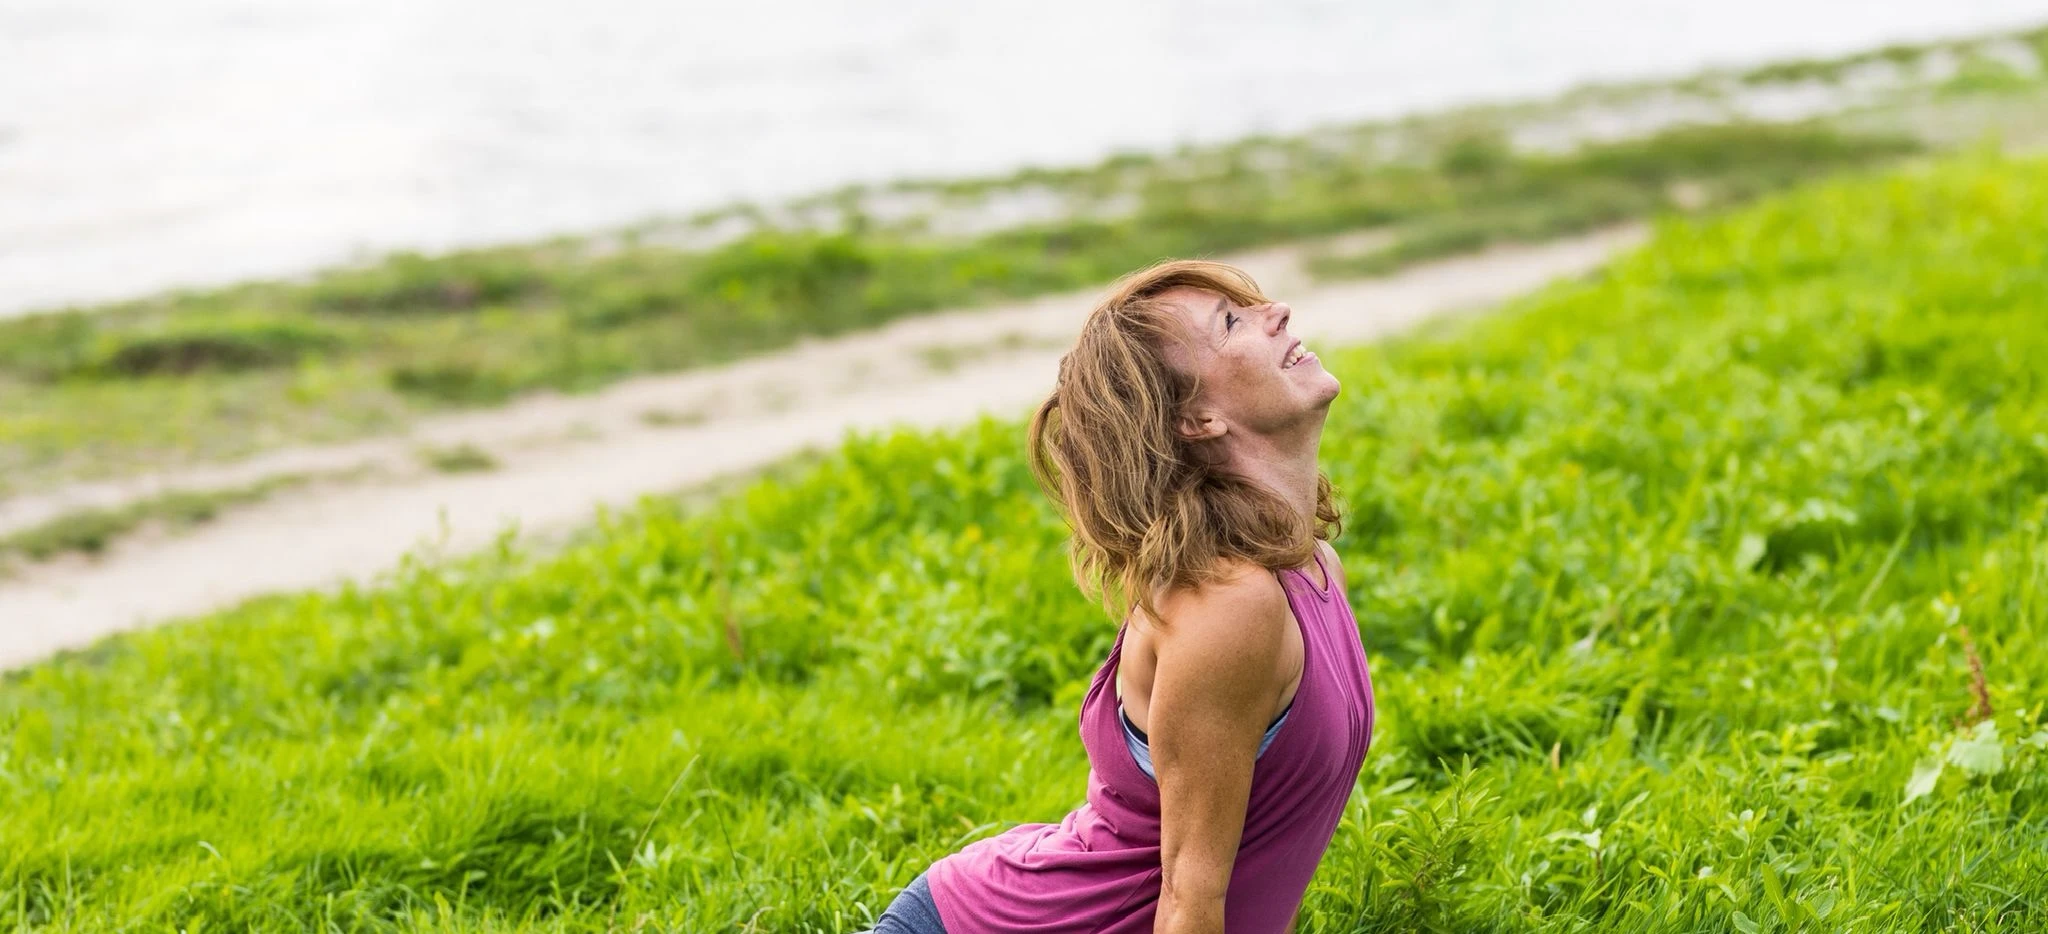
(1183, 380)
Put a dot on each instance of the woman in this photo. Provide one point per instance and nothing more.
(1227, 725)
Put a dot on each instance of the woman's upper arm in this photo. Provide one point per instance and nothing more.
(1217, 680)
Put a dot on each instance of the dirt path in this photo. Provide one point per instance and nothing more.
(561, 457)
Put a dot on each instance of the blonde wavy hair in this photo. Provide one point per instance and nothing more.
(1151, 511)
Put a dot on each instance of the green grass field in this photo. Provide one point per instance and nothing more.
(1675, 583)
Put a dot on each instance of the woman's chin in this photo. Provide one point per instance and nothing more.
(1325, 384)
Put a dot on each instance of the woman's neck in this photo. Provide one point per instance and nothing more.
(1285, 465)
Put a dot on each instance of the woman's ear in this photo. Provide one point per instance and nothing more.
(1200, 425)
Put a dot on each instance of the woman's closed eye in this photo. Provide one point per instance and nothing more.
(1230, 320)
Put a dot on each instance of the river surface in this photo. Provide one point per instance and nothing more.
(146, 144)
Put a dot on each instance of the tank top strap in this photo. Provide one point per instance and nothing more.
(1308, 584)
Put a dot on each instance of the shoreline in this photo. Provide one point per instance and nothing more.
(716, 222)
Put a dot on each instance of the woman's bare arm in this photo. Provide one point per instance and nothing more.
(1218, 678)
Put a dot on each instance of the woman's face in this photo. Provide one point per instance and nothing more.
(1255, 376)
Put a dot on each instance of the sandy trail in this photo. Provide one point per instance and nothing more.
(561, 457)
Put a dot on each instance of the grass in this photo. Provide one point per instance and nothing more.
(218, 374)
(91, 531)
(458, 458)
(1707, 594)
(946, 358)
(674, 418)
(1531, 199)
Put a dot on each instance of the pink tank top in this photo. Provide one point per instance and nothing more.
(1097, 870)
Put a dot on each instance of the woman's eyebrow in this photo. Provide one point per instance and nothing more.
(1221, 304)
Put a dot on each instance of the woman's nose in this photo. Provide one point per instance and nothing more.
(1278, 314)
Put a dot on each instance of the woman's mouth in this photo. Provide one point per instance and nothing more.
(1295, 354)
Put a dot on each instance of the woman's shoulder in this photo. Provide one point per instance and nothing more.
(1239, 600)
(1229, 634)
(1332, 563)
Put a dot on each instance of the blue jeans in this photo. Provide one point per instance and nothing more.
(913, 912)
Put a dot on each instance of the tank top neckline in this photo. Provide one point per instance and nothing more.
(1325, 592)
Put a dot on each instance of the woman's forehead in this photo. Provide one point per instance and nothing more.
(1197, 304)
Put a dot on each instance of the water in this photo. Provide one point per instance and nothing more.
(147, 144)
